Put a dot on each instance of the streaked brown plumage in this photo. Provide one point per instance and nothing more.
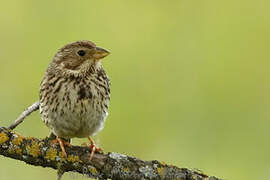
(75, 92)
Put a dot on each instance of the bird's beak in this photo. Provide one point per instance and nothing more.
(100, 53)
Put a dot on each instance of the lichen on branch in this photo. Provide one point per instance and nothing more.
(115, 166)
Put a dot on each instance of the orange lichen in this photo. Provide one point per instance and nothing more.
(17, 140)
(72, 158)
(51, 154)
(34, 149)
(3, 137)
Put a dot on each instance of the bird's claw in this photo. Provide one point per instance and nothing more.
(62, 144)
(93, 148)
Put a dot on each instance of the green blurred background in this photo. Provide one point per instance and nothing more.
(189, 78)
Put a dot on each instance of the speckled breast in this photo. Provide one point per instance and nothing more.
(74, 106)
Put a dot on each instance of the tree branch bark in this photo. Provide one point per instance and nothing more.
(115, 166)
(24, 114)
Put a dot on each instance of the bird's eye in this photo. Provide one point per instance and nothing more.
(81, 52)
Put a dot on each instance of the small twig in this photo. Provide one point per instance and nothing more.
(115, 166)
(24, 114)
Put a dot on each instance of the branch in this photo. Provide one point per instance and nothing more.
(24, 114)
(41, 152)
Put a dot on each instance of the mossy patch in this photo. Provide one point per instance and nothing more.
(62, 155)
(51, 154)
(17, 140)
(34, 149)
(28, 138)
(3, 137)
(72, 158)
(92, 170)
(195, 177)
(15, 150)
(18, 151)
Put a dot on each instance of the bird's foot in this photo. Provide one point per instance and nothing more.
(93, 148)
(62, 144)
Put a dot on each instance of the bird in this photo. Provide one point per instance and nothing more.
(75, 94)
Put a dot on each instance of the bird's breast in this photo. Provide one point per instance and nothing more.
(74, 107)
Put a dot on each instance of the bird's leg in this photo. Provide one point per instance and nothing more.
(93, 148)
(62, 144)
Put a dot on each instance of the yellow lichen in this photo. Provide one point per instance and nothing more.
(28, 138)
(17, 140)
(34, 149)
(92, 170)
(72, 158)
(18, 151)
(51, 154)
(194, 177)
(61, 155)
(11, 151)
(3, 137)
(161, 171)
(14, 150)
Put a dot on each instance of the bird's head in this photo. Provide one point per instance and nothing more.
(78, 57)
